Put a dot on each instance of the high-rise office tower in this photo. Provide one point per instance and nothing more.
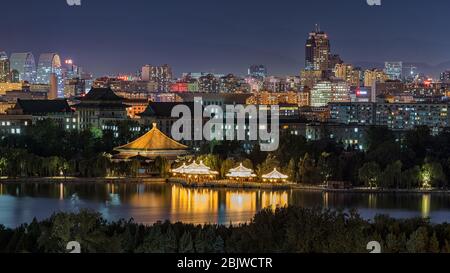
(23, 65)
(317, 54)
(4, 67)
(159, 74)
(50, 63)
(257, 71)
(445, 76)
(374, 76)
(393, 70)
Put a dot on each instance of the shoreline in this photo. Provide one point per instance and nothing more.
(217, 184)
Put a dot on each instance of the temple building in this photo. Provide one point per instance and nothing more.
(99, 108)
(275, 176)
(150, 146)
(195, 172)
(241, 173)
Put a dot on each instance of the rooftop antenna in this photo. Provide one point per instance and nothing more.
(317, 28)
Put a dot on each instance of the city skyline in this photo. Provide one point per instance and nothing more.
(175, 33)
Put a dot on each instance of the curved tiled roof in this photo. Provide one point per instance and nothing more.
(153, 140)
(102, 94)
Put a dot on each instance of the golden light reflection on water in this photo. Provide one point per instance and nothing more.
(61, 191)
(187, 200)
(372, 201)
(274, 199)
(194, 200)
(426, 205)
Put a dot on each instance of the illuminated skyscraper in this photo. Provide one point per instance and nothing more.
(373, 76)
(393, 70)
(159, 74)
(257, 71)
(317, 55)
(24, 65)
(4, 67)
(50, 63)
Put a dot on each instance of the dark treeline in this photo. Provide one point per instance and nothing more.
(286, 230)
(45, 149)
(416, 159)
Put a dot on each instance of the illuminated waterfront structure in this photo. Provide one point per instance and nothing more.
(25, 66)
(274, 176)
(241, 173)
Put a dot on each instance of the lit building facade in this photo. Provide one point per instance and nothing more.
(4, 67)
(325, 92)
(349, 74)
(393, 70)
(257, 71)
(24, 65)
(317, 51)
(50, 63)
(99, 108)
(159, 74)
(396, 116)
(374, 76)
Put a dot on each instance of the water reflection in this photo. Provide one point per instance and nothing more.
(148, 203)
(426, 204)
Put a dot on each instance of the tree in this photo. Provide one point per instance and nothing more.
(392, 175)
(227, 164)
(291, 170)
(268, 165)
(418, 242)
(369, 174)
(307, 170)
(186, 244)
(377, 135)
(432, 174)
(411, 178)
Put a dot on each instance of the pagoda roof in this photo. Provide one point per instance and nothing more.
(42, 106)
(241, 172)
(102, 94)
(275, 175)
(153, 140)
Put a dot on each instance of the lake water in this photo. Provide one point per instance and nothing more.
(149, 203)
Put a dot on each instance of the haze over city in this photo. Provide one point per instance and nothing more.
(227, 36)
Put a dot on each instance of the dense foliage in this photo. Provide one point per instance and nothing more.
(286, 230)
(413, 159)
(46, 150)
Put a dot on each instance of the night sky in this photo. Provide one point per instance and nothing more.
(115, 36)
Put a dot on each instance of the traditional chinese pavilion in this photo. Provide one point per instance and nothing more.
(241, 173)
(275, 176)
(150, 146)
